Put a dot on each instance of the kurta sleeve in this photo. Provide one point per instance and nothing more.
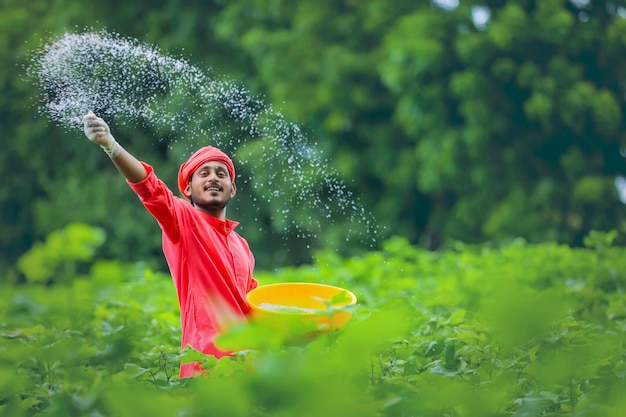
(159, 200)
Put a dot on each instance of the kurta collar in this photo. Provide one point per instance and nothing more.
(222, 226)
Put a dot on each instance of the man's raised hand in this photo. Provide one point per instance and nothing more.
(98, 132)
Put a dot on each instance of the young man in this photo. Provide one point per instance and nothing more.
(210, 263)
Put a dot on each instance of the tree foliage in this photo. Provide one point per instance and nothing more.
(483, 121)
(479, 121)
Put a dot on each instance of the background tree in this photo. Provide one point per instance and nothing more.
(484, 120)
(479, 120)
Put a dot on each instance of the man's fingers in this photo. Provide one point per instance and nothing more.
(90, 117)
(94, 124)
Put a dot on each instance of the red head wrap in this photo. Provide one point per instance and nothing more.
(202, 156)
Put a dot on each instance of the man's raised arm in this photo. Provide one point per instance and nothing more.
(98, 132)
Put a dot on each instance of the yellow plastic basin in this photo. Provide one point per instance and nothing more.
(301, 303)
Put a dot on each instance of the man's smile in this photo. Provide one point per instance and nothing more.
(216, 188)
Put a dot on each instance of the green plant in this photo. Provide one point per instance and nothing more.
(522, 330)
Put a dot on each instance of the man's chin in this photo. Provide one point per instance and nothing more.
(212, 204)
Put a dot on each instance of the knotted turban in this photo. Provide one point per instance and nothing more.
(200, 157)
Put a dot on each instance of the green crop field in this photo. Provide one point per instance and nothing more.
(518, 330)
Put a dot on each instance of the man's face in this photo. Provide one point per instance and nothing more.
(211, 187)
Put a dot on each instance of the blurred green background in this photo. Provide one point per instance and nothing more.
(449, 120)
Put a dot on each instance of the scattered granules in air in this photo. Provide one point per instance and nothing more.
(137, 85)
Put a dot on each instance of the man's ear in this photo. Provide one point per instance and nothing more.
(233, 189)
(188, 189)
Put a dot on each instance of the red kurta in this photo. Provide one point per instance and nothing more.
(210, 263)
